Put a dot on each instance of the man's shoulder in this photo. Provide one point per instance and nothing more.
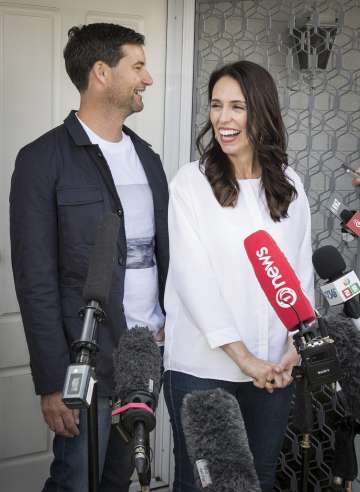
(43, 143)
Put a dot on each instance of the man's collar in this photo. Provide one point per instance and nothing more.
(80, 137)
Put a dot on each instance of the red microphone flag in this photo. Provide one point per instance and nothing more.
(354, 224)
(278, 280)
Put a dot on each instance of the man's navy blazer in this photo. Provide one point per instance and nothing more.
(60, 190)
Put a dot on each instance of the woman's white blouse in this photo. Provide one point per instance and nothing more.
(212, 296)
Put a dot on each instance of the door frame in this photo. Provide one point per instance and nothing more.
(179, 84)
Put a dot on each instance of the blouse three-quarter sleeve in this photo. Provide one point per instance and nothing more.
(192, 273)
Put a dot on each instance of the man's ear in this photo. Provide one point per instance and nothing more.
(101, 72)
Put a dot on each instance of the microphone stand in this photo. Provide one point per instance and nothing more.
(303, 421)
(303, 413)
(144, 476)
(80, 387)
(319, 366)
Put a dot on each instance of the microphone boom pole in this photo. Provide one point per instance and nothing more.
(80, 387)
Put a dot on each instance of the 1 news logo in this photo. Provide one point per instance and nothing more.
(356, 223)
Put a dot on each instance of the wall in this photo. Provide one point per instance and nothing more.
(321, 113)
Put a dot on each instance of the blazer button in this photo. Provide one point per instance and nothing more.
(119, 212)
(121, 260)
(99, 154)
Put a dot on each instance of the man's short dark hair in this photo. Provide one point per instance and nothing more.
(93, 42)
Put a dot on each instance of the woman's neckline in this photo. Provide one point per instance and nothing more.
(241, 180)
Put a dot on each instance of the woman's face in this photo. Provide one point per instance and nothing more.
(228, 116)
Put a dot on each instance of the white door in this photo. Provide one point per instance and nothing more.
(36, 95)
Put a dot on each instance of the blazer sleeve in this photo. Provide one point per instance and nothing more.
(34, 251)
(192, 275)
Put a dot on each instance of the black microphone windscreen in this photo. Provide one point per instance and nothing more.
(216, 439)
(344, 461)
(346, 215)
(347, 342)
(101, 262)
(328, 262)
(137, 364)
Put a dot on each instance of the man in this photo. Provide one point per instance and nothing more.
(62, 186)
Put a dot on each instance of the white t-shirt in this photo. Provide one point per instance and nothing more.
(212, 296)
(141, 291)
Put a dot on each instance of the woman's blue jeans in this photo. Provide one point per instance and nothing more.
(265, 416)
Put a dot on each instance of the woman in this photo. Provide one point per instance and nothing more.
(220, 329)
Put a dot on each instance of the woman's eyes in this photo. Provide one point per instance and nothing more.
(219, 106)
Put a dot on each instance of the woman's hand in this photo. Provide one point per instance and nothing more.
(261, 371)
(284, 369)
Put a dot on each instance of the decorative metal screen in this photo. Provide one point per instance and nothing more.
(312, 49)
(321, 106)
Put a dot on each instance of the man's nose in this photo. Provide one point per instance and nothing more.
(147, 79)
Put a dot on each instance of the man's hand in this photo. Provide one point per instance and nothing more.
(58, 416)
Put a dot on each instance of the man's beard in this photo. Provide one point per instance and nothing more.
(126, 105)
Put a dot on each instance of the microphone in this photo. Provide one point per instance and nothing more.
(137, 374)
(283, 290)
(217, 443)
(102, 259)
(80, 377)
(347, 342)
(351, 222)
(278, 280)
(350, 219)
(341, 287)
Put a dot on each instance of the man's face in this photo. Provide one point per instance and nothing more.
(129, 79)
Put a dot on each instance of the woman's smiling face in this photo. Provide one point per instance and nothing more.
(228, 116)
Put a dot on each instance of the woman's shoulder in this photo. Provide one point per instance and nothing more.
(294, 177)
(187, 175)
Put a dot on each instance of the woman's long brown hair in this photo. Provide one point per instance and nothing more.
(267, 135)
